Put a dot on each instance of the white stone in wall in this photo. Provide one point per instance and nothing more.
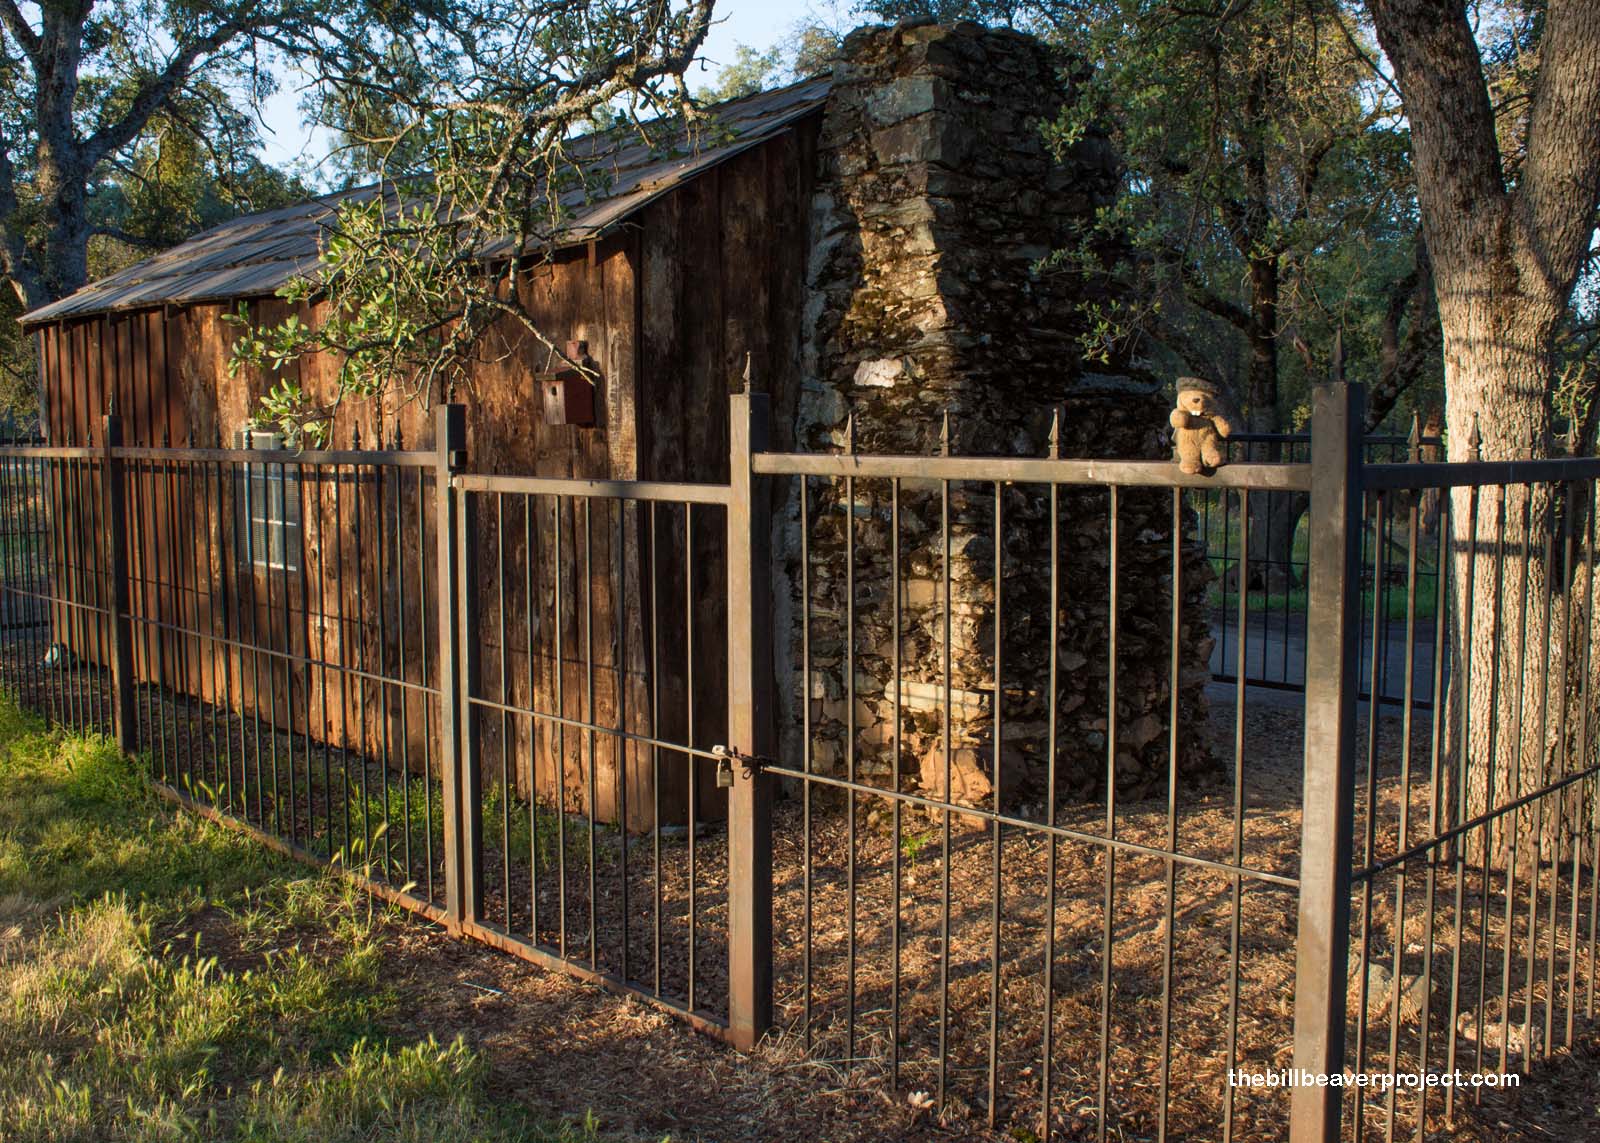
(880, 372)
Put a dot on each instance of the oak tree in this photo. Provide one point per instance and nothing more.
(1504, 115)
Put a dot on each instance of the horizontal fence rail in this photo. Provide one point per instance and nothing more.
(1053, 792)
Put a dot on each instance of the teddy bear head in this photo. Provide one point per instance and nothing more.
(1202, 398)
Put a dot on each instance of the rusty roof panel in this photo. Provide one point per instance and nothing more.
(256, 255)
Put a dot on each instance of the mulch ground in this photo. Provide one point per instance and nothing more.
(831, 1073)
(555, 1043)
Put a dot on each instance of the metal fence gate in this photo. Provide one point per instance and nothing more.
(917, 760)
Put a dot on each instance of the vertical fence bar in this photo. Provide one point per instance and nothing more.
(124, 716)
(750, 728)
(1332, 681)
(450, 440)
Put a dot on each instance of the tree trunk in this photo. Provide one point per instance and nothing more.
(1273, 515)
(1505, 258)
(1511, 633)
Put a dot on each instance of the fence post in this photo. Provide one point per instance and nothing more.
(750, 729)
(457, 670)
(124, 717)
(1333, 640)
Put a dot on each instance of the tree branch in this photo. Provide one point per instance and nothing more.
(156, 91)
(1230, 312)
(12, 19)
(1560, 185)
(127, 237)
(1440, 72)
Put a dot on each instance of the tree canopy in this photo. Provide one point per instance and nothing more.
(1271, 206)
(126, 126)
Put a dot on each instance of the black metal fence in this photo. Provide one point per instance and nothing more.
(907, 757)
(1278, 539)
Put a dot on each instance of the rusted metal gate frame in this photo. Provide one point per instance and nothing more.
(749, 689)
(1319, 1035)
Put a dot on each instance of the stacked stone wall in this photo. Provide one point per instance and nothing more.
(930, 328)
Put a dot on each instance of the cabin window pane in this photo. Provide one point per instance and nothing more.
(268, 535)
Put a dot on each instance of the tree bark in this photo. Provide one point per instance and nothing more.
(1505, 259)
(1274, 515)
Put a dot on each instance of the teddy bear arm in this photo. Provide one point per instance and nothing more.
(1188, 447)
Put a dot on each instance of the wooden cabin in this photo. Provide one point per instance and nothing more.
(684, 274)
(691, 261)
(864, 243)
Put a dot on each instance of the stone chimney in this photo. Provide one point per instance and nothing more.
(931, 326)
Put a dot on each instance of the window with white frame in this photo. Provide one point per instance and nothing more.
(268, 532)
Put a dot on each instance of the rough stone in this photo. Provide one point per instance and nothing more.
(938, 198)
(969, 785)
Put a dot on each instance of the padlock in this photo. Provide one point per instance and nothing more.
(724, 767)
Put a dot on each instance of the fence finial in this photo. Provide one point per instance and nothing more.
(1475, 440)
(1414, 437)
(944, 434)
(1055, 433)
(746, 376)
(850, 433)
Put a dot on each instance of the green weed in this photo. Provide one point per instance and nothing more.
(914, 842)
(163, 979)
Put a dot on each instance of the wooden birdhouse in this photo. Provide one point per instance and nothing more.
(568, 395)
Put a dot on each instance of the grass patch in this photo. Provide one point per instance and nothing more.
(1396, 601)
(1219, 526)
(499, 809)
(166, 979)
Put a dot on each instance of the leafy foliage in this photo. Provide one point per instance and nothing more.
(1267, 198)
(749, 72)
(471, 125)
(1267, 191)
(124, 127)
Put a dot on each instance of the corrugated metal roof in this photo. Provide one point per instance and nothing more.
(255, 255)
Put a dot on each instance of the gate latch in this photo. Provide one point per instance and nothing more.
(726, 756)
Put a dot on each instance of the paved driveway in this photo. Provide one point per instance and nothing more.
(1275, 653)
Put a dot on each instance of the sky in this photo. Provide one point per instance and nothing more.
(758, 23)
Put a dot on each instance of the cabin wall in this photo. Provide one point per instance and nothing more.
(721, 292)
(733, 238)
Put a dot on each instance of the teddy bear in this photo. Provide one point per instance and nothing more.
(1204, 416)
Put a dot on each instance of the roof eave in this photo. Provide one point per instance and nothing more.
(62, 310)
